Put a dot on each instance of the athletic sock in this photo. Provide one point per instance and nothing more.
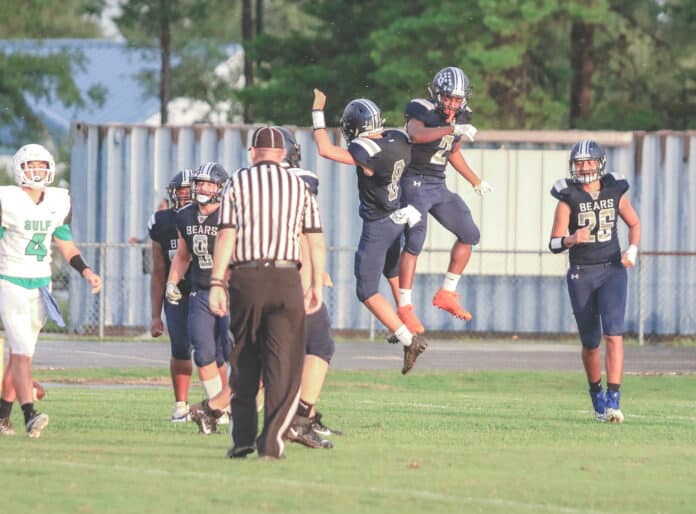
(405, 297)
(5, 408)
(304, 408)
(596, 387)
(404, 335)
(451, 281)
(212, 386)
(28, 410)
(613, 387)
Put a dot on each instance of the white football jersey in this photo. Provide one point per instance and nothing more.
(25, 246)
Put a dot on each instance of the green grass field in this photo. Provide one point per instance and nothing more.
(494, 442)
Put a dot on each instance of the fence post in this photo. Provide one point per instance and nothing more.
(372, 327)
(641, 302)
(102, 261)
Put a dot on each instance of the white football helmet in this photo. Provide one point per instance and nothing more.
(29, 153)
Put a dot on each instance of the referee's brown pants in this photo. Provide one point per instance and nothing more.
(267, 319)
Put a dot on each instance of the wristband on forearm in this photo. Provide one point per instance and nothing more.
(318, 121)
(78, 264)
(556, 245)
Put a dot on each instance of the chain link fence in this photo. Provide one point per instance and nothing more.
(506, 303)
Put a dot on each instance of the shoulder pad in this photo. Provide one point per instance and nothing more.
(616, 180)
(419, 107)
(397, 134)
(309, 177)
(367, 144)
(560, 189)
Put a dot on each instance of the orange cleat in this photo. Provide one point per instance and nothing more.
(410, 319)
(447, 301)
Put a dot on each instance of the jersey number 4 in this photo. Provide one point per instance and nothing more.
(36, 246)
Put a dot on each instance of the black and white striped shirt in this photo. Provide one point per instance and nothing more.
(270, 207)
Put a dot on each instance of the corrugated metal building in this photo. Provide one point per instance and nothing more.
(512, 284)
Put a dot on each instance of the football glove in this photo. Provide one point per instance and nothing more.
(408, 214)
(465, 129)
(483, 188)
(172, 293)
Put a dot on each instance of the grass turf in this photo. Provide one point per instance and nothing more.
(500, 442)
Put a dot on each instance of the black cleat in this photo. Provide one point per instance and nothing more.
(320, 428)
(240, 452)
(205, 417)
(300, 431)
(36, 424)
(418, 345)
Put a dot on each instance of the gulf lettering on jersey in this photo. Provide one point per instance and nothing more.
(37, 225)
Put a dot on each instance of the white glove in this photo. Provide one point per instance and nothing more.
(172, 293)
(408, 214)
(483, 187)
(466, 129)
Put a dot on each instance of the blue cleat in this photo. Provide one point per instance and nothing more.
(613, 411)
(599, 404)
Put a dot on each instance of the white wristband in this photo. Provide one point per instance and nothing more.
(632, 253)
(318, 121)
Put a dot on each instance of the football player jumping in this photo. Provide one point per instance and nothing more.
(32, 215)
(380, 158)
(589, 203)
(436, 127)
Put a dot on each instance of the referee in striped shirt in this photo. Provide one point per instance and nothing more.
(264, 210)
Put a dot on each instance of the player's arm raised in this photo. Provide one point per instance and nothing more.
(325, 147)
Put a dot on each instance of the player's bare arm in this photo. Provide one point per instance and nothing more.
(180, 262)
(158, 279)
(317, 250)
(419, 133)
(224, 248)
(630, 217)
(69, 251)
(561, 222)
(325, 147)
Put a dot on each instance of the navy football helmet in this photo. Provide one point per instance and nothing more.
(453, 82)
(179, 189)
(587, 150)
(208, 172)
(361, 117)
(293, 156)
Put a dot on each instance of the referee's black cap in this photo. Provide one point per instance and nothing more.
(267, 137)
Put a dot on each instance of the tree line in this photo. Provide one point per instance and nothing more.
(533, 64)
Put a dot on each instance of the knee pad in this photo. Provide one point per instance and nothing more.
(415, 239)
(319, 340)
(364, 289)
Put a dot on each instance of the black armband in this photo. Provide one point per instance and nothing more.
(78, 264)
(556, 244)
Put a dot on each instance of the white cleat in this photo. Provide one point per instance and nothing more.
(614, 415)
(36, 424)
(181, 412)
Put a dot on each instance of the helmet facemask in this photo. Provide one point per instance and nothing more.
(586, 151)
(34, 167)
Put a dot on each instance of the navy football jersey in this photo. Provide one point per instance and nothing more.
(431, 158)
(310, 178)
(162, 229)
(599, 211)
(199, 232)
(388, 156)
